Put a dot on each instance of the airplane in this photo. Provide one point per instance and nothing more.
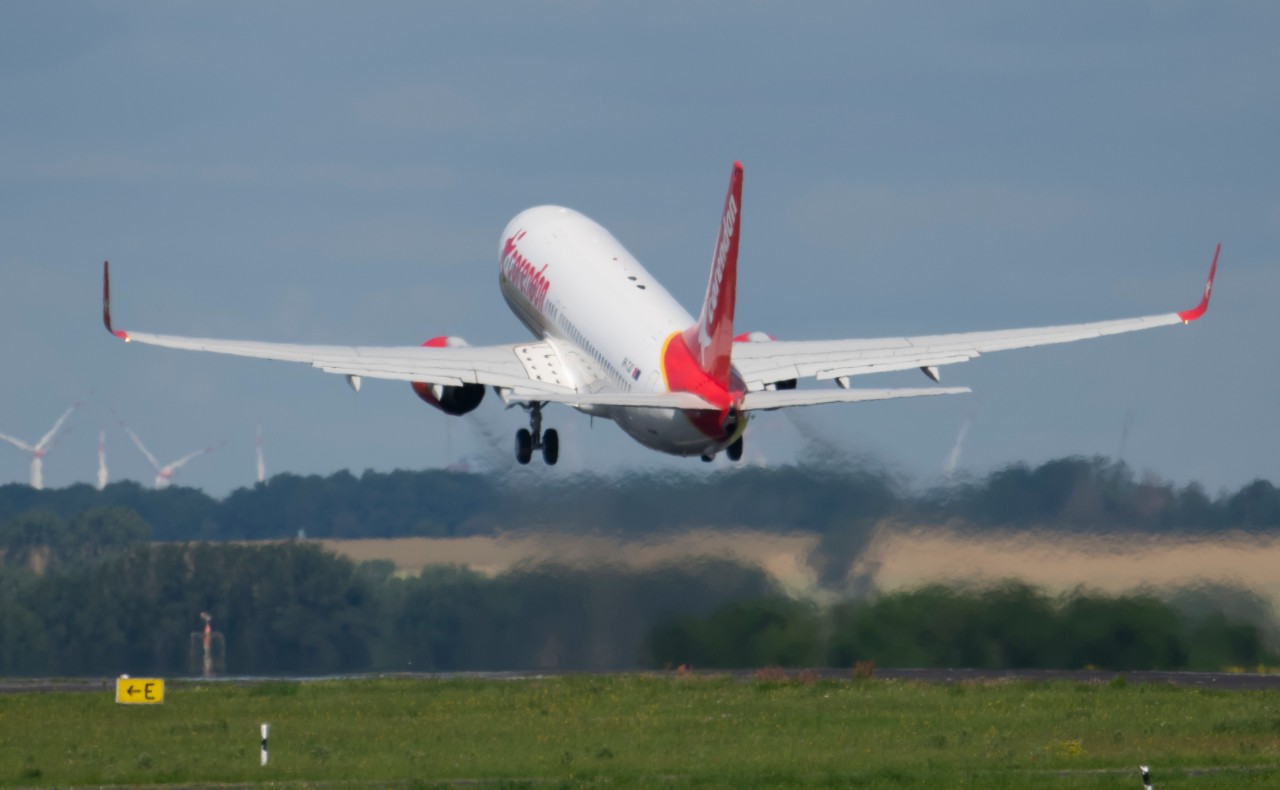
(611, 342)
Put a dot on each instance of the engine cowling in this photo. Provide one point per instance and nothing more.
(764, 337)
(448, 398)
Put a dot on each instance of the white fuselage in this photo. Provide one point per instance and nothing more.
(573, 284)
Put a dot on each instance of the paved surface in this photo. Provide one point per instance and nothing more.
(1227, 681)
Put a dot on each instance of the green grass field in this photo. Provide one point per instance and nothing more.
(641, 731)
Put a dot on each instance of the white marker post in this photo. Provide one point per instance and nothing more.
(264, 743)
(1146, 777)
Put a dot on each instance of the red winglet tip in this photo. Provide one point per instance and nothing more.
(106, 296)
(1188, 316)
(106, 303)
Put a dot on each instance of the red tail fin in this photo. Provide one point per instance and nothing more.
(711, 339)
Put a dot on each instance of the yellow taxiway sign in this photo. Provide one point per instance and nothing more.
(139, 691)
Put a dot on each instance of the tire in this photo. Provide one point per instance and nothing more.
(551, 447)
(524, 446)
(734, 451)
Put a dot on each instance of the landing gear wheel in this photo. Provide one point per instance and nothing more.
(550, 447)
(734, 451)
(524, 446)
(533, 438)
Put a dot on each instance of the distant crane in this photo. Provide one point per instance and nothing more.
(164, 473)
(41, 448)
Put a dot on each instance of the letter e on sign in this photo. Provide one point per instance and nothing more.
(139, 691)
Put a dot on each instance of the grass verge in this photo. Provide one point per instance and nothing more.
(638, 731)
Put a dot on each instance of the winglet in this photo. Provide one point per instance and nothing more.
(106, 303)
(1188, 316)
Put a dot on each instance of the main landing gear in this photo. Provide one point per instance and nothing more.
(733, 451)
(533, 438)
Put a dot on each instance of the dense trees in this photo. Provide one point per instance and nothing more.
(444, 504)
(83, 591)
(291, 607)
(840, 503)
(1001, 627)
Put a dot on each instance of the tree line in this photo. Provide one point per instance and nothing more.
(1004, 626)
(91, 595)
(1076, 494)
(105, 602)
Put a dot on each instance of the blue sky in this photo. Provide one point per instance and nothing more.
(324, 172)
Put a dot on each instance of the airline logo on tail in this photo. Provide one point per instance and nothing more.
(710, 341)
(727, 224)
(700, 361)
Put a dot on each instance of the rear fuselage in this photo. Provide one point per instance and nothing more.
(612, 324)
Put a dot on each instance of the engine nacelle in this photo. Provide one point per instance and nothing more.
(447, 398)
(764, 337)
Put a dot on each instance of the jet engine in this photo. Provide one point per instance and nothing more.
(447, 398)
(764, 337)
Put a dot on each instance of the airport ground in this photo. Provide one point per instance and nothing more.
(766, 729)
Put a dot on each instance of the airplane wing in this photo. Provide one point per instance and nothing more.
(769, 362)
(530, 367)
(522, 372)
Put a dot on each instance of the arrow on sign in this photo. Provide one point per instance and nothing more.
(140, 691)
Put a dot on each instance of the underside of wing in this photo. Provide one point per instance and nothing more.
(763, 363)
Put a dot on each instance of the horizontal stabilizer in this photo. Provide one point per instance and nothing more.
(781, 399)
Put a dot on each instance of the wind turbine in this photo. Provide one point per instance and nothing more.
(262, 464)
(164, 474)
(953, 458)
(41, 448)
(102, 460)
